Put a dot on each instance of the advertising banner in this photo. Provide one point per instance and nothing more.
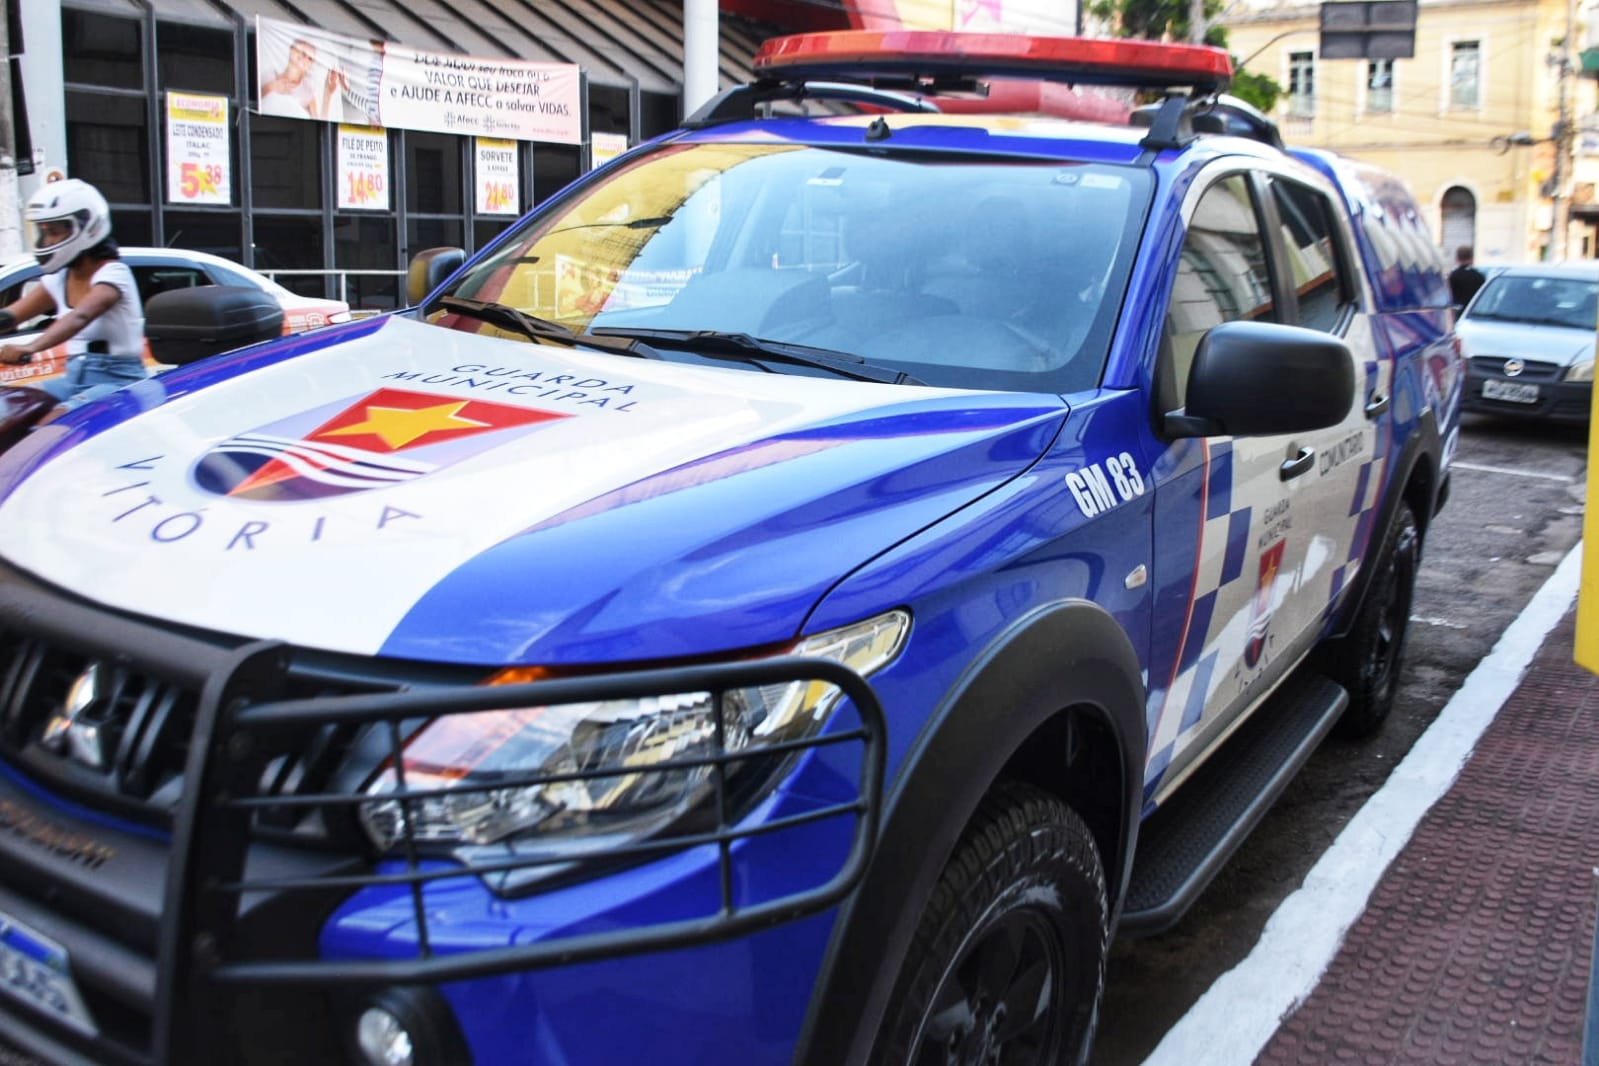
(363, 160)
(199, 165)
(311, 73)
(498, 177)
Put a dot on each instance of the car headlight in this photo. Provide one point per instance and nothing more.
(459, 757)
(1582, 371)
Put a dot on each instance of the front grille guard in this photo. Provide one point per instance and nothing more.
(237, 734)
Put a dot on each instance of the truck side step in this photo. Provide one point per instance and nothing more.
(1183, 845)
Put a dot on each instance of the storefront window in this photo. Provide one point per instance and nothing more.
(204, 231)
(285, 162)
(485, 230)
(366, 248)
(101, 50)
(608, 109)
(108, 145)
(554, 167)
(423, 233)
(433, 173)
(194, 59)
(658, 113)
(132, 228)
(287, 242)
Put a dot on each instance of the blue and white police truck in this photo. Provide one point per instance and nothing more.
(794, 598)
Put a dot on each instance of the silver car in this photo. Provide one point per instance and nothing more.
(1528, 336)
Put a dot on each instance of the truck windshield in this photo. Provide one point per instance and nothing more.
(957, 271)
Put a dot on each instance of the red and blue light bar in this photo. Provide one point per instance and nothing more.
(861, 55)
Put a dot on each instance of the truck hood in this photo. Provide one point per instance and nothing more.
(430, 493)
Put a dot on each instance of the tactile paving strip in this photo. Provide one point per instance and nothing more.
(1477, 945)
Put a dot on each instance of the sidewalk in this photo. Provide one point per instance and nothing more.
(1452, 919)
(1476, 946)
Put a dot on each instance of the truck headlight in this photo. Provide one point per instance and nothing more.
(459, 757)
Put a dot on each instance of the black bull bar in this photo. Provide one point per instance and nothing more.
(231, 807)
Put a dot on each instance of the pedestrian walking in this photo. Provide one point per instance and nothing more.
(1465, 279)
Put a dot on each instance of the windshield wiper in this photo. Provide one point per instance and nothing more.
(505, 315)
(713, 343)
(634, 223)
(534, 327)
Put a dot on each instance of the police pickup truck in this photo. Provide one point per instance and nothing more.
(794, 598)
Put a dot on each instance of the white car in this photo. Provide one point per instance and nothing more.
(1528, 336)
(158, 270)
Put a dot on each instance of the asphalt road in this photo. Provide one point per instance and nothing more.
(1515, 510)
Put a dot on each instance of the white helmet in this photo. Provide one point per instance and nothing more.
(80, 207)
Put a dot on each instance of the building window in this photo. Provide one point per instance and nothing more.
(285, 162)
(1380, 86)
(101, 51)
(658, 113)
(108, 145)
(366, 245)
(1302, 84)
(217, 232)
(554, 167)
(1465, 75)
(194, 58)
(433, 173)
(289, 248)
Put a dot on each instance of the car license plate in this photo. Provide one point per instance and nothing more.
(34, 969)
(1510, 391)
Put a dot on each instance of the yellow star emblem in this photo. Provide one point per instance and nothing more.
(400, 426)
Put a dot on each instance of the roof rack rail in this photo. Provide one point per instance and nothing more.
(741, 101)
(1172, 125)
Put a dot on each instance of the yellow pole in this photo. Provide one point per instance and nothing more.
(1587, 641)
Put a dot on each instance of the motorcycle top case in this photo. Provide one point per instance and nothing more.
(183, 325)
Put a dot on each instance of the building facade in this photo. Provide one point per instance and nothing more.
(1470, 121)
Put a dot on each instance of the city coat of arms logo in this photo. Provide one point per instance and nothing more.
(384, 438)
(1260, 611)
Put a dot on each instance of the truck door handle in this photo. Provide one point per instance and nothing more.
(1300, 463)
(1377, 405)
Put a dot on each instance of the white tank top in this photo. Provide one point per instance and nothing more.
(121, 326)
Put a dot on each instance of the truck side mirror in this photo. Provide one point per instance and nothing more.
(1259, 378)
(428, 270)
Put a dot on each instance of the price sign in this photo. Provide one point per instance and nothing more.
(498, 171)
(363, 168)
(199, 159)
(365, 189)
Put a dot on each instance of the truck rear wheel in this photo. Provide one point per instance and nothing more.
(1367, 661)
(1008, 961)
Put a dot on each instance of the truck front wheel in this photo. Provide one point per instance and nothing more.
(1008, 961)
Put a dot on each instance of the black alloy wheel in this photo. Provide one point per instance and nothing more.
(1008, 963)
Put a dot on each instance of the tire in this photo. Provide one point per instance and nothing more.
(1008, 962)
(1367, 661)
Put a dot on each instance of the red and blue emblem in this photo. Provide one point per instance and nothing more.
(1261, 610)
(384, 438)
